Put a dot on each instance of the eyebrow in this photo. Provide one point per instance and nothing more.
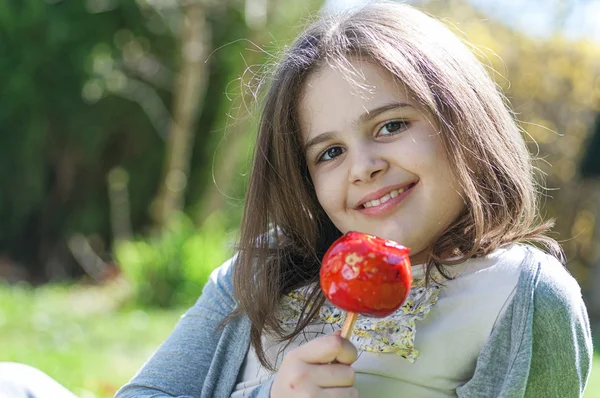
(364, 118)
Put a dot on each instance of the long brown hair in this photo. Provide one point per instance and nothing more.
(285, 232)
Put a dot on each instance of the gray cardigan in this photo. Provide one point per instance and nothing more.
(541, 347)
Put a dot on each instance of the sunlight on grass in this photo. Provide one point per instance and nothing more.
(79, 336)
(593, 389)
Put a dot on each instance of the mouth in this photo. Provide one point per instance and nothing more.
(384, 202)
(392, 194)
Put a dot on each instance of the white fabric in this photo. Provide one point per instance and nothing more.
(448, 339)
(18, 380)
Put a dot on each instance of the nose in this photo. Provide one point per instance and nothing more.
(366, 166)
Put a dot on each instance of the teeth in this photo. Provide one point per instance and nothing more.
(384, 198)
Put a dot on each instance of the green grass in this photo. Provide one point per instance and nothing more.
(78, 335)
(593, 389)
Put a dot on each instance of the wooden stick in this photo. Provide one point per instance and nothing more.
(349, 324)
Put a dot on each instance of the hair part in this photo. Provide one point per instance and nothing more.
(285, 232)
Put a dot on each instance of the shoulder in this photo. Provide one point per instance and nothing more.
(218, 292)
(550, 298)
(506, 261)
(547, 299)
(558, 301)
(538, 272)
(549, 280)
(538, 276)
(222, 276)
(542, 344)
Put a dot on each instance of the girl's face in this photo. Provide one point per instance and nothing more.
(375, 159)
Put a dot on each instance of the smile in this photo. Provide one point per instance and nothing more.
(386, 203)
(386, 197)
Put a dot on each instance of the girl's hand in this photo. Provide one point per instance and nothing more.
(308, 371)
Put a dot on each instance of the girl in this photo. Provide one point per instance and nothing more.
(380, 120)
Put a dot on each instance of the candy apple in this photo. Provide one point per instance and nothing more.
(364, 274)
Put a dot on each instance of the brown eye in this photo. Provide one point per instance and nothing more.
(331, 153)
(393, 127)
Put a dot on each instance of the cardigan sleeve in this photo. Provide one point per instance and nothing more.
(562, 350)
(198, 359)
(541, 347)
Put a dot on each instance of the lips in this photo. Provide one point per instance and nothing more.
(383, 195)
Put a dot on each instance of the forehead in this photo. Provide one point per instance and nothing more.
(332, 100)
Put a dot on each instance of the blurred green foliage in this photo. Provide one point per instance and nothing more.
(172, 267)
(56, 146)
(88, 87)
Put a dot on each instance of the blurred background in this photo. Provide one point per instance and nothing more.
(126, 130)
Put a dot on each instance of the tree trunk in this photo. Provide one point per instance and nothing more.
(225, 164)
(189, 94)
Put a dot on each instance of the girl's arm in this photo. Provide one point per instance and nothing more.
(562, 345)
(542, 346)
(197, 359)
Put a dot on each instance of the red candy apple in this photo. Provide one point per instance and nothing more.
(365, 274)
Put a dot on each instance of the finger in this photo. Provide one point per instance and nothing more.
(326, 350)
(333, 375)
(348, 353)
(339, 392)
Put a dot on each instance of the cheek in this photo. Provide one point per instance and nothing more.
(330, 193)
(450, 195)
(445, 193)
(419, 153)
(446, 171)
(327, 195)
(322, 189)
(433, 161)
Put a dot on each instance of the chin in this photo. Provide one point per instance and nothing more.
(396, 235)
